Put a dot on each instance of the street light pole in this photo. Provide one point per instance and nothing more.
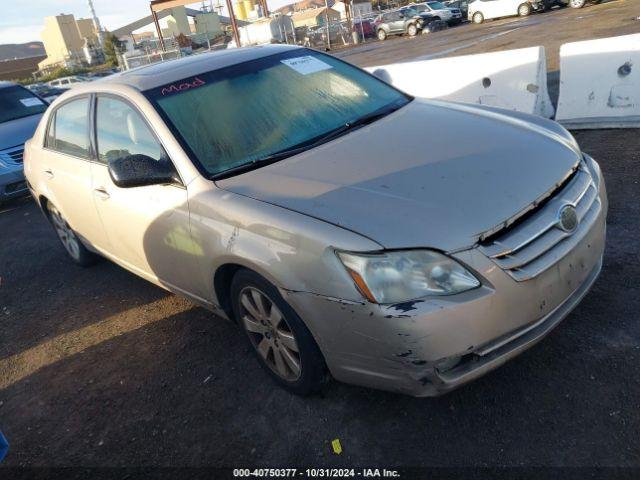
(326, 19)
(234, 24)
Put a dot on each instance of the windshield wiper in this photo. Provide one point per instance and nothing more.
(315, 142)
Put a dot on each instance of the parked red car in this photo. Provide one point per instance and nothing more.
(364, 28)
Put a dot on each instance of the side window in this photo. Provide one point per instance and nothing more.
(69, 127)
(121, 131)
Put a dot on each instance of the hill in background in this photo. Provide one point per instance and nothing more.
(10, 51)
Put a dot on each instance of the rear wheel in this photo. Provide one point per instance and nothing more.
(524, 10)
(412, 30)
(70, 241)
(577, 3)
(478, 18)
(382, 35)
(281, 341)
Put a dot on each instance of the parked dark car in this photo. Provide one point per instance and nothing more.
(440, 11)
(48, 93)
(364, 27)
(462, 5)
(415, 11)
(20, 112)
(398, 22)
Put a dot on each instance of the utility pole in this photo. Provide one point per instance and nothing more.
(96, 23)
(234, 24)
(326, 20)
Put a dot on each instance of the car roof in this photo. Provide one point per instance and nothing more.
(5, 84)
(158, 74)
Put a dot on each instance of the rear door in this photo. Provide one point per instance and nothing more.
(66, 164)
(507, 8)
(490, 8)
(147, 226)
(396, 22)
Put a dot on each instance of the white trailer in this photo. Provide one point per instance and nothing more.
(278, 29)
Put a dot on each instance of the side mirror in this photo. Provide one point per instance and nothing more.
(141, 170)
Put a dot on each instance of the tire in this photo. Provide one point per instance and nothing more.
(524, 10)
(577, 3)
(412, 30)
(276, 334)
(477, 18)
(382, 35)
(69, 239)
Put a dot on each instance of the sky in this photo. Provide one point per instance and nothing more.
(23, 20)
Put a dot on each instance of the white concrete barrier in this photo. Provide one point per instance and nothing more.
(511, 79)
(600, 83)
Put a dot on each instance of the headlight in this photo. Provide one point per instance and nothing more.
(401, 276)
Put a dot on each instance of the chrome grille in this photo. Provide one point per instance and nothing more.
(12, 155)
(537, 243)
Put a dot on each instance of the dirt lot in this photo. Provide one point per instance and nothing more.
(100, 368)
(550, 29)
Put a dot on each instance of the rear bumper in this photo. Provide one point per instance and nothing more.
(431, 346)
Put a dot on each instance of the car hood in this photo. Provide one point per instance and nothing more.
(16, 132)
(432, 174)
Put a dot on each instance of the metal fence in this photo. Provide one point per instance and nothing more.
(149, 58)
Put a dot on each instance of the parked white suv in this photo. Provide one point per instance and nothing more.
(481, 10)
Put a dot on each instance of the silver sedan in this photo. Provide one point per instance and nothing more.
(348, 228)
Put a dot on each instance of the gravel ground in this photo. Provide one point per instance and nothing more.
(100, 368)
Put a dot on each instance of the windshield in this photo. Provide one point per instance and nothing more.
(17, 102)
(421, 8)
(436, 5)
(241, 114)
(410, 12)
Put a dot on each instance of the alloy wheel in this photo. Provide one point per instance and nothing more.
(270, 333)
(65, 233)
(576, 3)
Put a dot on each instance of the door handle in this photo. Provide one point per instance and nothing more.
(101, 193)
(48, 173)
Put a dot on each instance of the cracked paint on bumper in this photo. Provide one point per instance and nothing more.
(431, 346)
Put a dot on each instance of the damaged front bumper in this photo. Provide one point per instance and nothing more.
(434, 345)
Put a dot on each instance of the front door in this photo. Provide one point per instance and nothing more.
(148, 226)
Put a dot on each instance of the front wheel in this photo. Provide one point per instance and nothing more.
(281, 341)
(577, 3)
(524, 10)
(478, 18)
(70, 241)
(382, 35)
(412, 30)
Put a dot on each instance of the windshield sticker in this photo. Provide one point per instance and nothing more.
(306, 65)
(31, 102)
(182, 86)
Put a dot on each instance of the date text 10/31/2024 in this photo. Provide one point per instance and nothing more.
(316, 473)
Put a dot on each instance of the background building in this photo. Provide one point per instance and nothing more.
(315, 17)
(64, 39)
